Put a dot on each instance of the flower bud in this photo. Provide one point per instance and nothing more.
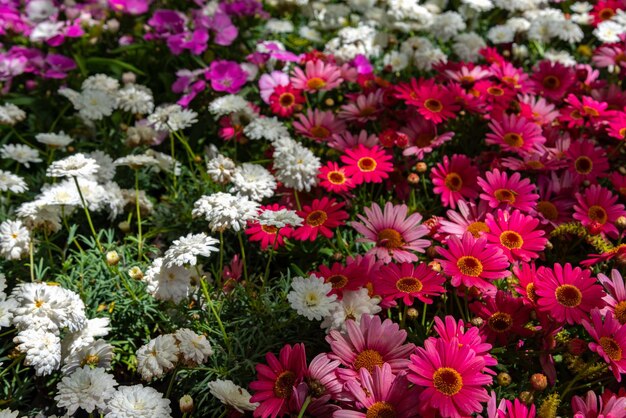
(526, 397)
(621, 222)
(504, 379)
(112, 258)
(538, 381)
(186, 404)
(413, 178)
(135, 273)
(421, 167)
(124, 226)
(435, 266)
(477, 321)
(412, 314)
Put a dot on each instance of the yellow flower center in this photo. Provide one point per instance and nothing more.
(620, 312)
(316, 218)
(470, 266)
(511, 240)
(367, 164)
(283, 386)
(409, 285)
(476, 228)
(390, 238)
(505, 195)
(338, 281)
(381, 410)
(320, 132)
(500, 322)
(568, 295)
(433, 105)
(315, 83)
(611, 348)
(513, 139)
(447, 381)
(597, 214)
(583, 165)
(368, 359)
(548, 210)
(454, 182)
(336, 177)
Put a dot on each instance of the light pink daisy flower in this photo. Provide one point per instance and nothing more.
(321, 376)
(610, 341)
(537, 109)
(593, 406)
(473, 262)
(455, 179)
(318, 125)
(597, 209)
(381, 394)
(468, 218)
(346, 140)
(317, 76)
(369, 344)
(502, 191)
(423, 137)
(515, 134)
(268, 82)
(395, 234)
(363, 108)
(452, 378)
(516, 234)
(567, 294)
(615, 295)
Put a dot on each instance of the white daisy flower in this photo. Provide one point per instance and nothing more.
(609, 31)
(137, 161)
(221, 169)
(310, 298)
(167, 283)
(280, 218)
(172, 118)
(12, 182)
(6, 312)
(58, 140)
(101, 82)
(7, 413)
(14, 240)
(95, 104)
(96, 354)
(353, 305)
(224, 211)
(296, 166)
(42, 349)
(138, 402)
(85, 388)
(135, 98)
(195, 348)
(157, 357)
(253, 181)
(186, 249)
(23, 154)
(77, 165)
(269, 128)
(232, 395)
(96, 327)
(106, 166)
(165, 162)
(228, 104)
(11, 114)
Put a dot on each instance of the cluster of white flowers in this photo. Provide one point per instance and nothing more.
(253, 181)
(311, 297)
(229, 104)
(296, 166)
(268, 128)
(164, 352)
(100, 95)
(226, 211)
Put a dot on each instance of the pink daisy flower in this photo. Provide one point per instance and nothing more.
(617, 126)
(317, 76)
(597, 209)
(268, 82)
(347, 140)
(455, 179)
(502, 191)
(552, 80)
(395, 234)
(277, 380)
(319, 407)
(469, 218)
(370, 344)
(516, 409)
(587, 162)
(554, 203)
(526, 273)
(423, 137)
(537, 109)
(335, 179)
(615, 298)
(407, 282)
(515, 134)
(504, 317)
(618, 181)
(321, 376)
(583, 112)
(593, 406)
(432, 101)
(516, 234)
(323, 216)
(367, 165)
(473, 262)
(610, 337)
(268, 235)
(363, 108)
(452, 377)
(609, 55)
(318, 125)
(567, 294)
(381, 394)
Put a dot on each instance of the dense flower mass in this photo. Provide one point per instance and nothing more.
(304, 208)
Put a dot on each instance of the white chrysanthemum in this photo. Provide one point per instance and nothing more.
(136, 161)
(157, 357)
(14, 240)
(96, 327)
(518, 24)
(135, 98)
(310, 34)
(221, 169)
(6, 312)
(40, 10)
(296, 167)
(397, 60)
(23, 154)
(172, 118)
(562, 57)
(424, 59)
(101, 82)
(165, 162)
(42, 349)
(268, 128)
(225, 211)
(7, 413)
(96, 354)
(447, 25)
(542, 29)
(11, 114)
(73, 318)
(63, 194)
(38, 214)
(232, 395)
(86, 389)
(501, 34)
(228, 104)
(279, 26)
(59, 140)
(609, 31)
(94, 105)
(11, 182)
(280, 218)
(94, 194)
(310, 297)
(138, 402)
(467, 46)
(195, 348)
(106, 166)
(167, 283)
(353, 305)
(253, 181)
(186, 249)
(478, 5)
(77, 165)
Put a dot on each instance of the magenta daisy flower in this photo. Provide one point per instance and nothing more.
(552, 80)
(318, 125)
(515, 134)
(473, 262)
(516, 234)
(406, 282)
(349, 277)
(363, 108)
(468, 218)
(504, 317)
(334, 178)
(317, 76)
(615, 298)
(423, 137)
(323, 216)
(381, 394)
(588, 162)
(567, 294)
(610, 337)
(526, 273)
(348, 140)
(599, 406)
(597, 209)
(276, 381)
(367, 165)
(502, 191)
(395, 234)
(321, 376)
(455, 179)
(452, 376)
(370, 344)
(516, 409)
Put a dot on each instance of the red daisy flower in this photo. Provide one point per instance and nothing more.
(515, 134)
(285, 100)
(617, 126)
(422, 137)
(618, 181)
(334, 178)
(268, 235)
(367, 165)
(552, 80)
(321, 217)
(597, 209)
(504, 317)
(516, 234)
(432, 101)
(455, 179)
(567, 294)
(502, 191)
(526, 274)
(352, 276)
(406, 281)
(588, 162)
(605, 9)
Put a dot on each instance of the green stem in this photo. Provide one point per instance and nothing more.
(13, 364)
(269, 261)
(424, 314)
(219, 272)
(295, 193)
(93, 230)
(305, 405)
(139, 231)
(207, 297)
(171, 384)
(32, 260)
(67, 227)
(243, 257)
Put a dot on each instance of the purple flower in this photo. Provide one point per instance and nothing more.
(189, 84)
(132, 7)
(243, 8)
(57, 66)
(362, 64)
(167, 22)
(224, 30)
(226, 76)
(195, 41)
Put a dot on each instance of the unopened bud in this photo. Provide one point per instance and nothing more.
(128, 78)
(413, 178)
(435, 266)
(526, 397)
(337, 256)
(186, 404)
(124, 226)
(112, 258)
(421, 167)
(431, 251)
(504, 379)
(329, 102)
(538, 381)
(621, 222)
(477, 321)
(135, 273)
(412, 314)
